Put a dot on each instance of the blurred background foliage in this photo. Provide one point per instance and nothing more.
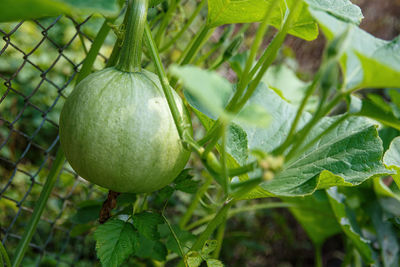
(43, 79)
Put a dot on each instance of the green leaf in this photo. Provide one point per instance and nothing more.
(214, 263)
(253, 115)
(347, 156)
(380, 112)
(185, 183)
(342, 9)
(33, 9)
(193, 259)
(392, 159)
(286, 84)
(207, 89)
(245, 11)
(368, 61)
(315, 215)
(183, 175)
(146, 223)
(345, 217)
(185, 238)
(386, 234)
(187, 186)
(237, 143)
(115, 241)
(126, 198)
(80, 229)
(392, 155)
(147, 248)
(88, 211)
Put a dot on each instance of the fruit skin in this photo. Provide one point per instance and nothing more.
(117, 131)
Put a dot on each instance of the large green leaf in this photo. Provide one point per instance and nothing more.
(115, 241)
(347, 155)
(315, 215)
(392, 159)
(33, 9)
(368, 61)
(230, 11)
(346, 218)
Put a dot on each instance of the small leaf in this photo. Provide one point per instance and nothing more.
(185, 238)
(380, 112)
(146, 223)
(187, 186)
(115, 241)
(160, 252)
(214, 263)
(126, 198)
(193, 259)
(208, 247)
(183, 175)
(88, 211)
(207, 89)
(80, 229)
(147, 248)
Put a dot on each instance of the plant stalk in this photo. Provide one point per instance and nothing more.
(39, 208)
(187, 25)
(131, 53)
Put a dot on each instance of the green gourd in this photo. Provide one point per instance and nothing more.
(116, 128)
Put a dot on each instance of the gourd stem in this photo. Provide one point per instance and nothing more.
(131, 52)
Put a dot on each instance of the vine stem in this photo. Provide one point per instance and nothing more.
(4, 256)
(183, 130)
(191, 50)
(318, 256)
(260, 68)
(94, 50)
(174, 235)
(39, 207)
(302, 134)
(195, 202)
(131, 53)
(187, 25)
(220, 238)
(240, 210)
(212, 225)
(310, 90)
(164, 23)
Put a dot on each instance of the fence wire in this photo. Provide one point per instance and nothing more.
(36, 76)
(38, 62)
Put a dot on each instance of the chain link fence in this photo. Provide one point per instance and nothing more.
(38, 63)
(39, 60)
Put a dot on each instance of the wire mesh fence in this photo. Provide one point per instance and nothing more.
(38, 63)
(39, 60)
